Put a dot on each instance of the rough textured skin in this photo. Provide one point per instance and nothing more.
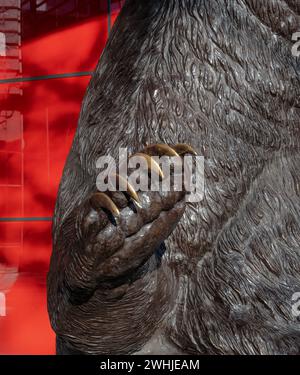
(220, 76)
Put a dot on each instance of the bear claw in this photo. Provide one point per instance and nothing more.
(100, 200)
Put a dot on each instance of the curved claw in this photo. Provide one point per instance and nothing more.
(160, 150)
(183, 148)
(124, 185)
(152, 164)
(101, 200)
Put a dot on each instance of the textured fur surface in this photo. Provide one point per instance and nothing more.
(220, 76)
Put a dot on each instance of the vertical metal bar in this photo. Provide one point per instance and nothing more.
(22, 191)
(48, 145)
(33, 6)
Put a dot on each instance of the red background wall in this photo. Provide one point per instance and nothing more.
(38, 117)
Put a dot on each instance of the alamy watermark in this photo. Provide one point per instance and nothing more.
(168, 173)
(296, 46)
(2, 44)
(2, 305)
(296, 304)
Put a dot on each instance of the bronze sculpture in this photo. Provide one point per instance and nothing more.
(215, 277)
